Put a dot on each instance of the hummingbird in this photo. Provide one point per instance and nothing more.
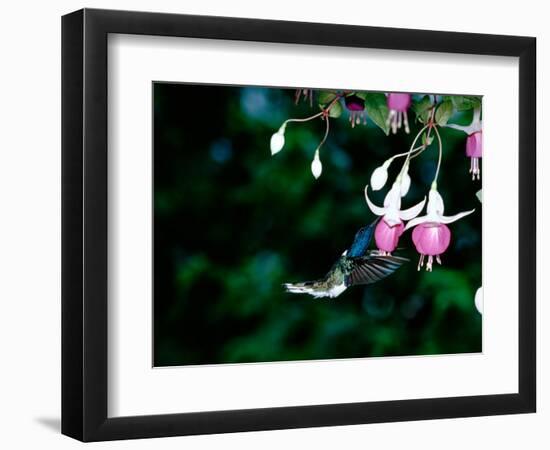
(356, 266)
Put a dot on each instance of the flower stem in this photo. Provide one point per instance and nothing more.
(320, 113)
(473, 127)
(429, 126)
(326, 133)
(323, 112)
(414, 152)
(418, 150)
(434, 182)
(305, 119)
(407, 159)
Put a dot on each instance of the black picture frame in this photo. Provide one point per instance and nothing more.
(84, 224)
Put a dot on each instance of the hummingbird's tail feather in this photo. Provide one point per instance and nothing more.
(315, 288)
(299, 288)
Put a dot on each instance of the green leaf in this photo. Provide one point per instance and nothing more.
(325, 97)
(422, 105)
(444, 112)
(465, 102)
(377, 109)
(427, 141)
(422, 108)
(336, 110)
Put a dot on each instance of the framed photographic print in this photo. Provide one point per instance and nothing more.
(273, 224)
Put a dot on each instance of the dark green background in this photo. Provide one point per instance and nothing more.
(232, 223)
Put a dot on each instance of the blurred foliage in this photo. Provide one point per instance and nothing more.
(232, 223)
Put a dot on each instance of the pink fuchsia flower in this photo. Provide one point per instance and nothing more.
(431, 235)
(474, 150)
(398, 104)
(356, 107)
(387, 236)
(390, 228)
(474, 141)
(431, 239)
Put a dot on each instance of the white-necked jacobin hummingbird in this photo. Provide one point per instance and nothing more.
(357, 265)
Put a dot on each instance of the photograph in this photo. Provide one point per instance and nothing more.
(274, 225)
(298, 223)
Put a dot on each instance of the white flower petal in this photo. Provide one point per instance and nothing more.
(435, 203)
(393, 197)
(479, 300)
(405, 184)
(413, 211)
(450, 219)
(392, 217)
(417, 221)
(479, 195)
(375, 209)
(470, 129)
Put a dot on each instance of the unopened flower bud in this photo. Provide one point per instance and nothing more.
(316, 166)
(278, 140)
(479, 300)
(380, 176)
(405, 181)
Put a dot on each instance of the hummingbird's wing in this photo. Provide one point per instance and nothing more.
(372, 268)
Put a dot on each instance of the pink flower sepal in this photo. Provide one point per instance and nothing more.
(431, 235)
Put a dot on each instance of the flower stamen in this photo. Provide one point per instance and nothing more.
(398, 105)
(429, 263)
(420, 263)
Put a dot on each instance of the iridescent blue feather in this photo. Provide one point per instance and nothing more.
(362, 240)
